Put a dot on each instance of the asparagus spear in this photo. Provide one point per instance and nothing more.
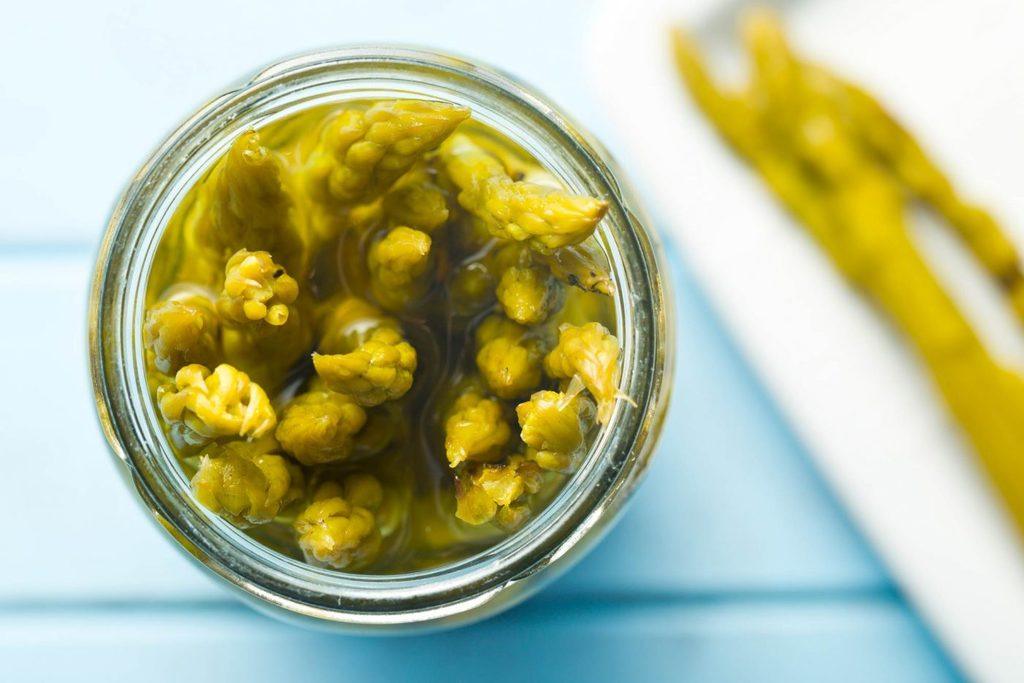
(846, 170)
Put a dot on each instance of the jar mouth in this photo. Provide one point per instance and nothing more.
(471, 586)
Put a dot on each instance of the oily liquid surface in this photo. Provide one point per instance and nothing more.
(424, 530)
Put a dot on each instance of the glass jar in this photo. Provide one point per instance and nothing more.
(467, 589)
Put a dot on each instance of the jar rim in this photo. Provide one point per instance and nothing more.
(476, 585)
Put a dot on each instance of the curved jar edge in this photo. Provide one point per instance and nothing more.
(467, 590)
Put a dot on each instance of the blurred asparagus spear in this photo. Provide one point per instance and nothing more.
(846, 169)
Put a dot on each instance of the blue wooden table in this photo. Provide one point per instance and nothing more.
(733, 564)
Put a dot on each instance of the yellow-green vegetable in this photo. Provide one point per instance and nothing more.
(509, 363)
(360, 153)
(256, 290)
(244, 204)
(347, 322)
(843, 166)
(471, 289)
(338, 528)
(416, 201)
(385, 425)
(266, 352)
(526, 294)
(486, 490)
(552, 427)
(475, 429)
(219, 403)
(245, 484)
(398, 267)
(542, 216)
(497, 327)
(591, 353)
(181, 330)
(319, 427)
(578, 266)
(379, 370)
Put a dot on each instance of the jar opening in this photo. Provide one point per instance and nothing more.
(587, 500)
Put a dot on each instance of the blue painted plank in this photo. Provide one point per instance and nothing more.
(74, 531)
(870, 638)
(730, 504)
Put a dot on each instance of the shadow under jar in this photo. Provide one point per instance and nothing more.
(515, 565)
